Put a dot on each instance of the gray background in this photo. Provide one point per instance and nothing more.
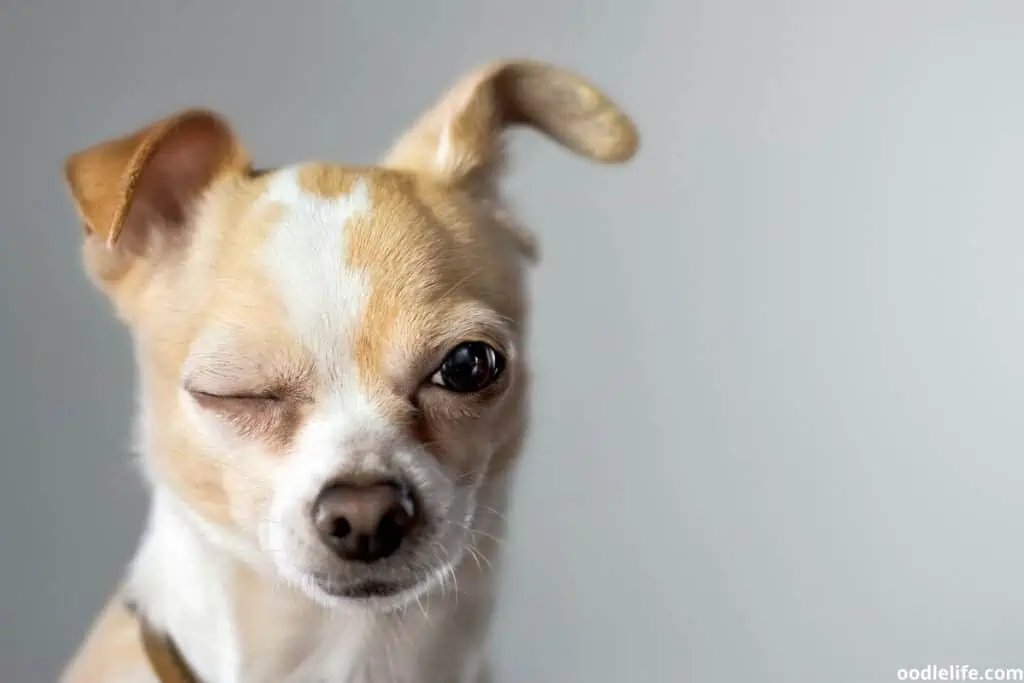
(780, 358)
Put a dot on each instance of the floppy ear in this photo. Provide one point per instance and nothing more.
(135, 193)
(460, 140)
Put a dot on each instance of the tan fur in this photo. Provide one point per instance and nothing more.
(174, 225)
(554, 101)
(112, 650)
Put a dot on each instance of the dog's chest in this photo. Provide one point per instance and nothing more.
(318, 651)
(347, 660)
(360, 650)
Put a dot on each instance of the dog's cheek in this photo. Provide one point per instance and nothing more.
(192, 477)
(463, 433)
(243, 452)
(248, 482)
(258, 474)
(460, 446)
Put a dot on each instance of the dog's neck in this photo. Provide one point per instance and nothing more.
(234, 622)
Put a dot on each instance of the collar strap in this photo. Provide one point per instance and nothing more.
(162, 653)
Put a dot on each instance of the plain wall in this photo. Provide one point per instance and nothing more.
(780, 358)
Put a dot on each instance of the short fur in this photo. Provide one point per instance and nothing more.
(286, 326)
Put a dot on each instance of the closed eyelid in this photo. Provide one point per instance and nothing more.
(225, 358)
(221, 379)
(233, 381)
(238, 395)
(254, 415)
(218, 365)
(227, 369)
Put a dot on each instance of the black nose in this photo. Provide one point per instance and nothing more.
(364, 521)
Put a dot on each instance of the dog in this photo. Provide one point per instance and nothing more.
(332, 387)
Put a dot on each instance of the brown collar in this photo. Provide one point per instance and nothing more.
(163, 654)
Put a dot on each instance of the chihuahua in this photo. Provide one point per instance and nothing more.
(332, 387)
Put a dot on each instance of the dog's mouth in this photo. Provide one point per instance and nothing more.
(362, 590)
(371, 589)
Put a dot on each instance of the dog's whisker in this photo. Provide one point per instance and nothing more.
(491, 511)
(479, 556)
(473, 531)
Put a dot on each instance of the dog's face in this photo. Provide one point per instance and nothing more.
(331, 358)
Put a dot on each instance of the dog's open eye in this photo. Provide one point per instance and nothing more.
(470, 367)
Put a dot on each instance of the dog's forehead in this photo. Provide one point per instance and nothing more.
(346, 259)
(312, 214)
(332, 236)
(310, 207)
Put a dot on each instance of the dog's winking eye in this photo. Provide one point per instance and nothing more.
(237, 400)
(470, 367)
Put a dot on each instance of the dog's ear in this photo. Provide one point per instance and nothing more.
(460, 140)
(135, 193)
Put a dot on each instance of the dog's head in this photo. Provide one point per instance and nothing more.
(331, 358)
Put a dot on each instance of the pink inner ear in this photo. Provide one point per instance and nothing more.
(175, 174)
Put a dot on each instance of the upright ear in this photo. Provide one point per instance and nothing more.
(137, 191)
(460, 140)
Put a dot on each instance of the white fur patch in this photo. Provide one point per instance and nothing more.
(186, 594)
(305, 258)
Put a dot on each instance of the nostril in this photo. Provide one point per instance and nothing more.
(391, 529)
(340, 528)
(401, 511)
